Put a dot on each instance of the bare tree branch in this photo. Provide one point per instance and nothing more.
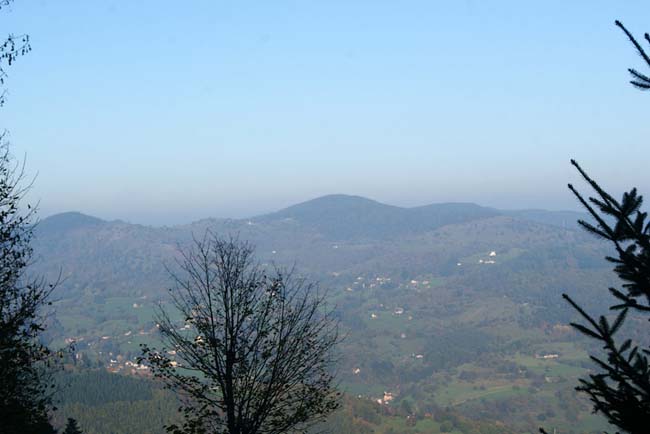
(254, 346)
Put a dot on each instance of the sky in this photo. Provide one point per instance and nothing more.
(160, 112)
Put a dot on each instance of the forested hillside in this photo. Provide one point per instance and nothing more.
(449, 307)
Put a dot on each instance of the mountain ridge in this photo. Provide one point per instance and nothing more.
(330, 211)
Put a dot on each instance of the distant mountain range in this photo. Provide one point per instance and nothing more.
(331, 234)
(340, 216)
(345, 217)
(448, 291)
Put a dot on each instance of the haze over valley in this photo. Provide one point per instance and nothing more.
(416, 217)
(451, 305)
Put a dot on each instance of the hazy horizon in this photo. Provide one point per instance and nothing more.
(219, 109)
(324, 216)
(180, 219)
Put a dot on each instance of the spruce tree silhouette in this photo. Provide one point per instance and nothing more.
(620, 390)
(640, 81)
(72, 427)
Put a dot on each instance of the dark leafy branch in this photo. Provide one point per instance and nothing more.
(11, 49)
(25, 362)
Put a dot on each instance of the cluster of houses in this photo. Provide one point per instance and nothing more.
(388, 397)
(492, 255)
(547, 356)
(134, 368)
(361, 282)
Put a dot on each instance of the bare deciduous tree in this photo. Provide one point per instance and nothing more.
(253, 348)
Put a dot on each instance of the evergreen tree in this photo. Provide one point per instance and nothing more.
(72, 427)
(620, 390)
(639, 80)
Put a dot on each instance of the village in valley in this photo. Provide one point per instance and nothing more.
(439, 333)
(118, 353)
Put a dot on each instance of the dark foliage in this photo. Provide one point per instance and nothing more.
(72, 427)
(99, 387)
(24, 381)
(255, 354)
(621, 390)
(24, 361)
(621, 387)
(110, 403)
(11, 48)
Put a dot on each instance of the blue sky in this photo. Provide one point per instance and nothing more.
(165, 112)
